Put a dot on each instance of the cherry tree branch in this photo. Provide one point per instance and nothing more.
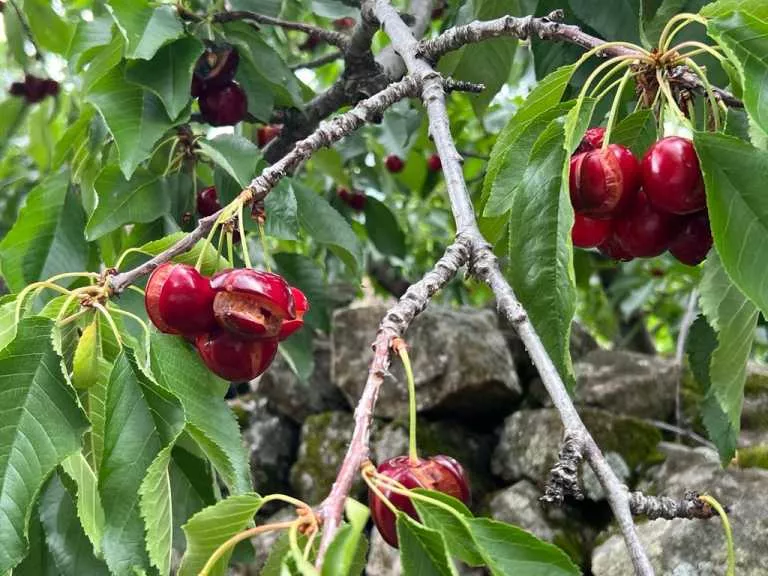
(319, 61)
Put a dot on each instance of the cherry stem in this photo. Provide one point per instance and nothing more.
(402, 350)
(239, 537)
(731, 570)
(264, 249)
(137, 289)
(608, 75)
(398, 488)
(615, 109)
(243, 240)
(375, 489)
(668, 33)
(230, 249)
(667, 93)
(218, 250)
(700, 47)
(710, 93)
(308, 547)
(139, 321)
(111, 322)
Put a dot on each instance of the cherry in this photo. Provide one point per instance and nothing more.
(600, 179)
(233, 358)
(434, 164)
(394, 163)
(312, 41)
(179, 300)
(34, 89)
(18, 89)
(290, 326)
(252, 303)
(694, 240)
(355, 199)
(265, 134)
(592, 140)
(344, 23)
(589, 232)
(644, 231)
(208, 201)
(197, 87)
(439, 473)
(51, 87)
(438, 10)
(612, 248)
(672, 177)
(224, 106)
(216, 67)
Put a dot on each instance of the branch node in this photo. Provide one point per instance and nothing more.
(689, 507)
(564, 476)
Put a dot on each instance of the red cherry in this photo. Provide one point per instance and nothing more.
(643, 231)
(394, 163)
(208, 202)
(612, 248)
(179, 300)
(434, 164)
(344, 23)
(217, 66)
(592, 140)
(288, 327)
(672, 177)
(35, 88)
(600, 179)
(224, 106)
(589, 232)
(252, 303)
(693, 242)
(18, 89)
(235, 359)
(358, 200)
(265, 134)
(197, 86)
(51, 87)
(439, 473)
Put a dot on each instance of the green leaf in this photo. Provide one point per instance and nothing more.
(94, 400)
(69, 546)
(383, 228)
(238, 156)
(15, 37)
(104, 61)
(141, 418)
(7, 319)
(745, 35)
(122, 201)
(304, 273)
(211, 261)
(210, 421)
(90, 512)
(734, 318)
(157, 511)
(637, 132)
(88, 35)
(169, 73)
(511, 550)
(618, 23)
(52, 32)
(213, 526)
(145, 29)
(345, 548)
(75, 136)
(297, 351)
(32, 442)
(282, 219)
(135, 117)
(192, 482)
(701, 342)
(734, 175)
(39, 561)
(454, 529)
(47, 238)
(267, 7)
(326, 226)
(542, 271)
(423, 551)
(12, 112)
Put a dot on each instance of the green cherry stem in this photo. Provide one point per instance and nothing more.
(731, 570)
(668, 33)
(402, 350)
(111, 322)
(239, 537)
(375, 489)
(243, 241)
(615, 108)
(710, 93)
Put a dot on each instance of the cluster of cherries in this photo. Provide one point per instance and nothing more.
(630, 209)
(222, 101)
(34, 89)
(234, 318)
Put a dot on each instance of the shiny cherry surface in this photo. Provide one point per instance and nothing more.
(179, 300)
(233, 358)
(592, 140)
(292, 325)
(223, 106)
(600, 180)
(589, 232)
(394, 163)
(692, 243)
(672, 177)
(434, 164)
(208, 201)
(643, 231)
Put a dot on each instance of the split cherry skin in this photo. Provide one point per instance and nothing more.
(438, 473)
(179, 300)
(265, 134)
(672, 176)
(600, 180)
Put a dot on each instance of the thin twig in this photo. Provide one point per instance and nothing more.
(320, 61)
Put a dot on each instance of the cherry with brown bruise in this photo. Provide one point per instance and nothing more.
(252, 303)
(344, 23)
(643, 231)
(233, 358)
(589, 232)
(265, 134)
(208, 202)
(672, 176)
(434, 164)
(179, 300)
(293, 325)
(693, 242)
(438, 473)
(600, 180)
(216, 68)
(223, 106)
(355, 199)
(592, 140)
(394, 163)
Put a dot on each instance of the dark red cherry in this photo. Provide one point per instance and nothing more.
(438, 10)
(289, 326)
(51, 87)
(309, 45)
(179, 300)
(643, 231)
(612, 248)
(35, 88)
(355, 199)
(692, 243)
(223, 106)
(252, 303)
(600, 179)
(589, 232)
(394, 163)
(672, 177)
(208, 201)
(18, 89)
(344, 23)
(217, 66)
(434, 164)
(197, 86)
(438, 473)
(233, 358)
(265, 134)
(592, 140)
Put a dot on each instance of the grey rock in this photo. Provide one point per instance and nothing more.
(530, 441)
(590, 484)
(462, 365)
(754, 415)
(697, 547)
(519, 504)
(296, 399)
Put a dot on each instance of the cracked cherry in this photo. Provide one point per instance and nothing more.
(643, 231)
(179, 300)
(394, 163)
(592, 140)
(434, 164)
(265, 134)
(692, 243)
(223, 106)
(208, 201)
(344, 23)
(252, 303)
(438, 473)
(599, 180)
(233, 358)
(589, 232)
(216, 67)
(290, 326)
(672, 177)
